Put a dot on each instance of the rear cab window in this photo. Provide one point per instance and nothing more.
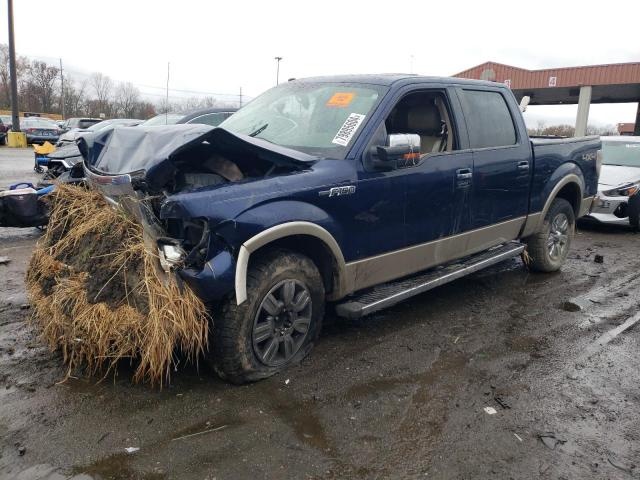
(489, 120)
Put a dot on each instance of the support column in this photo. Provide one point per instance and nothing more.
(584, 101)
(636, 129)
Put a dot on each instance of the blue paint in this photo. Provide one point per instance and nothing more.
(389, 209)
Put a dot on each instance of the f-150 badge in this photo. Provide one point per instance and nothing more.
(337, 191)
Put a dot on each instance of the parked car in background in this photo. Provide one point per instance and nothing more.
(7, 121)
(618, 199)
(3, 132)
(77, 122)
(73, 134)
(205, 116)
(39, 130)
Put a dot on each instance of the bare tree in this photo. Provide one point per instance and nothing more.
(102, 87)
(44, 79)
(603, 130)
(127, 98)
(22, 64)
(74, 98)
(144, 110)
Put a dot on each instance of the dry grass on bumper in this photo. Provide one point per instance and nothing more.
(99, 295)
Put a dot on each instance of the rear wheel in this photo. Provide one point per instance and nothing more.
(549, 247)
(277, 324)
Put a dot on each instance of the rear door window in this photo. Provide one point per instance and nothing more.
(488, 119)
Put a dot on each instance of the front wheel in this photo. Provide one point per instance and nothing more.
(634, 212)
(277, 324)
(549, 247)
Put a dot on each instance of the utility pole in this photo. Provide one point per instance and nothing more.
(278, 69)
(240, 98)
(166, 102)
(12, 72)
(62, 90)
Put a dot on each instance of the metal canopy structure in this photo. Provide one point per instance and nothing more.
(613, 83)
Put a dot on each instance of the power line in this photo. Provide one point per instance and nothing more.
(87, 75)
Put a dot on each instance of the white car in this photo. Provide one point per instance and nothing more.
(618, 199)
(75, 133)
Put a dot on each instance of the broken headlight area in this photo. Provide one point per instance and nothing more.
(186, 244)
(170, 253)
(627, 190)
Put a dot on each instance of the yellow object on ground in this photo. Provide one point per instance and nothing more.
(16, 139)
(99, 294)
(45, 149)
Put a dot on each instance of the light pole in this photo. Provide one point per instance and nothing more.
(15, 125)
(278, 69)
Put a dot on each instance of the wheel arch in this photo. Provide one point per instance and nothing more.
(307, 238)
(571, 188)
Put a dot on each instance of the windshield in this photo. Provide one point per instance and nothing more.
(163, 119)
(621, 153)
(319, 119)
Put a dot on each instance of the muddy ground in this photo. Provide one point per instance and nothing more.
(397, 395)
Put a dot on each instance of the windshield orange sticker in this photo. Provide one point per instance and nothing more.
(340, 99)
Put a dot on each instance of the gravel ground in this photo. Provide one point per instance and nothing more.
(401, 394)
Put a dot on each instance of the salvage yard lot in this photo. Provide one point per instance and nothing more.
(401, 394)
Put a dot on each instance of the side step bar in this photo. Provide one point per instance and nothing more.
(388, 294)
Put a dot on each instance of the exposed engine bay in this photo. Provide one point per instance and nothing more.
(202, 166)
(146, 169)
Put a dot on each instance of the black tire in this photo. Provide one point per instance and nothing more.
(548, 249)
(233, 351)
(634, 212)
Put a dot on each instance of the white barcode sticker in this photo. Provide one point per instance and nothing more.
(348, 129)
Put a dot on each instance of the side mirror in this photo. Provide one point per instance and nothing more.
(402, 150)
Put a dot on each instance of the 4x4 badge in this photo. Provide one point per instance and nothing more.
(337, 191)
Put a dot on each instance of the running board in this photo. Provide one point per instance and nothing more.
(388, 294)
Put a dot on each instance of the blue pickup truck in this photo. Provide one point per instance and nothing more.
(354, 191)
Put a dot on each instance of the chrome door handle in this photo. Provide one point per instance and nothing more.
(464, 173)
(523, 165)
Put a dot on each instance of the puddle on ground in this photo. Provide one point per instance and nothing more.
(305, 424)
(447, 363)
(115, 467)
(526, 344)
(225, 420)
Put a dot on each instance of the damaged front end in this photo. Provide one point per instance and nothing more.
(169, 178)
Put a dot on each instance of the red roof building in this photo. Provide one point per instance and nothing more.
(612, 83)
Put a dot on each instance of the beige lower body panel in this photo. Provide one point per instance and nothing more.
(534, 220)
(399, 263)
(585, 206)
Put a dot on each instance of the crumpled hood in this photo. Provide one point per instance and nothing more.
(614, 175)
(66, 151)
(151, 149)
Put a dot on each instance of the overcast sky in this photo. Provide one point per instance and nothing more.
(220, 46)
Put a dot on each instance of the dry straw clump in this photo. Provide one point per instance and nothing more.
(99, 295)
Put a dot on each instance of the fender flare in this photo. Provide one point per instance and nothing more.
(534, 221)
(566, 180)
(281, 231)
